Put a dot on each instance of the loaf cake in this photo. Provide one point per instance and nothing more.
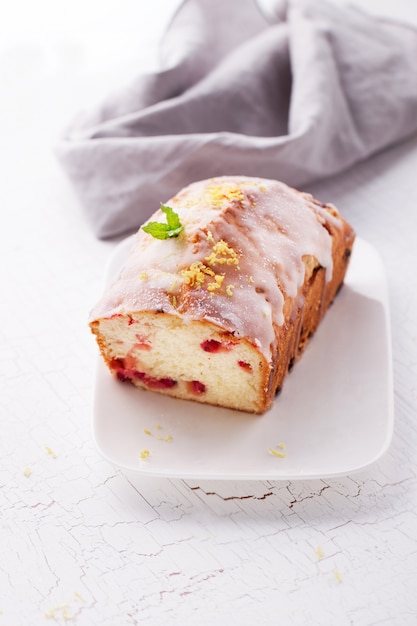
(221, 291)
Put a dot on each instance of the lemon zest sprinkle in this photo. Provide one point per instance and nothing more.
(196, 274)
(277, 453)
(337, 575)
(222, 254)
(50, 452)
(216, 194)
(218, 280)
(61, 608)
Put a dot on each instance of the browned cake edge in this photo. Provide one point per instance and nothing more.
(318, 294)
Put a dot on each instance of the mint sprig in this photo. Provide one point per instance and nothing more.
(162, 230)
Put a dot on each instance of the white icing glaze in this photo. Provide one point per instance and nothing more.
(268, 226)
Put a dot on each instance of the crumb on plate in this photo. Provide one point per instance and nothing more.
(277, 453)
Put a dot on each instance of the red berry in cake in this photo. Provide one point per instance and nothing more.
(212, 345)
(244, 365)
(197, 387)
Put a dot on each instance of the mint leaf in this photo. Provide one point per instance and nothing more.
(157, 230)
(161, 230)
(172, 218)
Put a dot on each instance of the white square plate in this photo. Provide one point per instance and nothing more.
(335, 413)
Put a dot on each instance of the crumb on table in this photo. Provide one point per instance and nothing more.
(51, 453)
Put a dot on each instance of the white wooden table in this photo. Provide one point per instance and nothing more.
(84, 542)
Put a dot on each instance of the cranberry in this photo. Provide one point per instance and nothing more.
(116, 364)
(155, 383)
(159, 383)
(244, 365)
(212, 345)
(196, 386)
(125, 373)
(122, 376)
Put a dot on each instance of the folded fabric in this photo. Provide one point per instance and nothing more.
(297, 98)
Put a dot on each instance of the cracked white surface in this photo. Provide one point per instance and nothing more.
(83, 542)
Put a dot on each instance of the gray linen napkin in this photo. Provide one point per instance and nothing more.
(297, 98)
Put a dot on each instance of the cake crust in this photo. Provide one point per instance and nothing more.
(222, 312)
